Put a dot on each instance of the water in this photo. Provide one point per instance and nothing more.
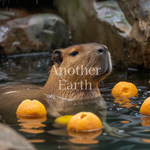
(134, 129)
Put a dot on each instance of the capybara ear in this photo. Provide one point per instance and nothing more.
(57, 56)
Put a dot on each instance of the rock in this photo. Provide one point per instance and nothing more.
(9, 139)
(138, 47)
(124, 28)
(136, 9)
(3, 57)
(91, 21)
(6, 15)
(40, 32)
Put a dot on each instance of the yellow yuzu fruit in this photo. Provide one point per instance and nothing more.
(63, 120)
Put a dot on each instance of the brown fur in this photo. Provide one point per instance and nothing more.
(61, 102)
(88, 57)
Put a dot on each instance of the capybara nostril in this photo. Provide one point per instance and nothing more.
(100, 51)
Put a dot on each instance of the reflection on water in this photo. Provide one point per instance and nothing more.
(124, 121)
(145, 121)
(26, 68)
(31, 125)
(124, 102)
(36, 141)
(146, 140)
(121, 114)
(84, 137)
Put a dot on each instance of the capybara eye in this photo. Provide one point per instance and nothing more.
(100, 51)
(74, 53)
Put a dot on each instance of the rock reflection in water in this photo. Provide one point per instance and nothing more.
(31, 125)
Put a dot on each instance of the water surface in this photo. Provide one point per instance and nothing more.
(123, 115)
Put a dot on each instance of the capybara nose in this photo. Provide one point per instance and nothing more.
(101, 50)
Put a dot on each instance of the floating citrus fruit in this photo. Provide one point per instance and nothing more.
(145, 108)
(30, 108)
(84, 121)
(124, 89)
(63, 120)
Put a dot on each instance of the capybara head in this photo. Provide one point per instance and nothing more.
(90, 62)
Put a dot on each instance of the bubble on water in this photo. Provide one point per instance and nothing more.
(104, 133)
(110, 108)
(120, 131)
(139, 103)
(119, 109)
(137, 107)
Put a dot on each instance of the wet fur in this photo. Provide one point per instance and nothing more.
(60, 102)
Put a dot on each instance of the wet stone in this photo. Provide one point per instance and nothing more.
(33, 33)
